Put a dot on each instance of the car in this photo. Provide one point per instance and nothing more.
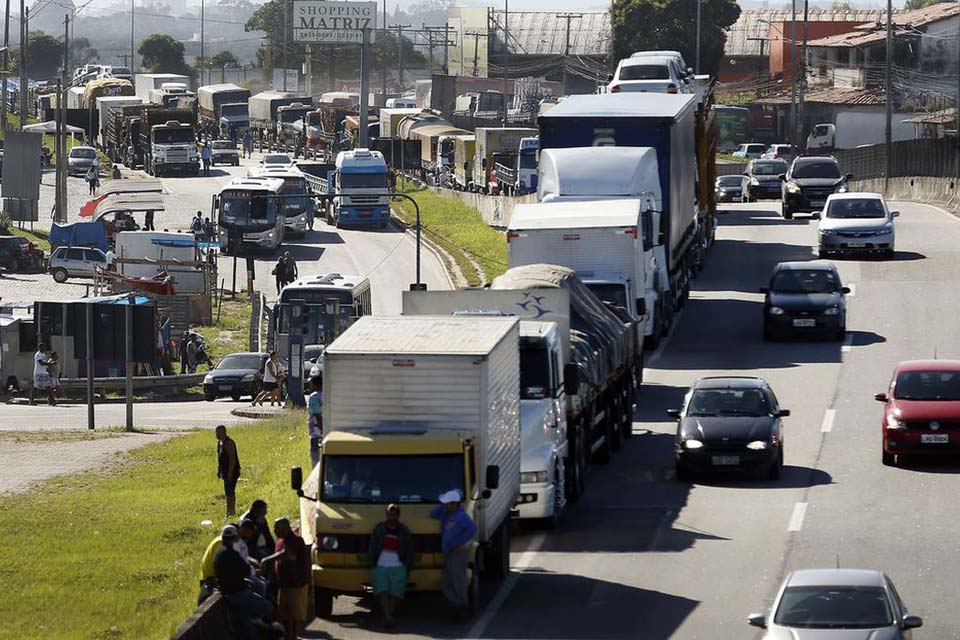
(74, 262)
(856, 223)
(653, 74)
(19, 255)
(762, 180)
(687, 71)
(839, 604)
(81, 159)
(805, 298)
(728, 188)
(729, 423)
(312, 358)
(809, 182)
(224, 152)
(752, 150)
(784, 152)
(921, 410)
(277, 160)
(236, 375)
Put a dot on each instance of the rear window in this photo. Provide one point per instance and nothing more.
(729, 181)
(769, 168)
(645, 72)
(755, 148)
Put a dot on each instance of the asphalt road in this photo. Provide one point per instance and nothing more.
(644, 556)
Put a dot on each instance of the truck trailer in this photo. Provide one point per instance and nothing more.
(490, 141)
(144, 83)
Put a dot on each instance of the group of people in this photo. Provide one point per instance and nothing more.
(202, 228)
(46, 374)
(285, 271)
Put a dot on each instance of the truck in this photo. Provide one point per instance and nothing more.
(105, 107)
(519, 176)
(224, 105)
(291, 127)
(390, 121)
(355, 188)
(464, 149)
(168, 141)
(491, 140)
(167, 94)
(600, 174)
(104, 87)
(122, 136)
(664, 122)
(408, 443)
(144, 83)
(249, 215)
(263, 107)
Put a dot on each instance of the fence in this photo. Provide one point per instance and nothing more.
(909, 158)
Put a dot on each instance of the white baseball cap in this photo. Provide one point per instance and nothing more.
(450, 496)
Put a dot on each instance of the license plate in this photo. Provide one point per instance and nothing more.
(366, 214)
(225, 387)
(804, 322)
(934, 438)
(856, 245)
(726, 461)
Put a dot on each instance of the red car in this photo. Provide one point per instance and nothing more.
(921, 411)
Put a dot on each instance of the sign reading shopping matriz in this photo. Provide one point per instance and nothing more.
(323, 21)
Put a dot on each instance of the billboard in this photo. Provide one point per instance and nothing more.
(292, 80)
(326, 22)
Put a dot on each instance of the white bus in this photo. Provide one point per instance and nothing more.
(333, 302)
(248, 214)
(297, 201)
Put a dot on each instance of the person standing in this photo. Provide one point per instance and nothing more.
(315, 418)
(93, 178)
(208, 231)
(196, 225)
(391, 557)
(291, 272)
(206, 155)
(109, 258)
(280, 273)
(263, 543)
(41, 376)
(228, 467)
(231, 572)
(271, 381)
(292, 567)
(192, 354)
(53, 369)
(457, 529)
(247, 143)
(148, 221)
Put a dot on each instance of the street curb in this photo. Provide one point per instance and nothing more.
(257, 413)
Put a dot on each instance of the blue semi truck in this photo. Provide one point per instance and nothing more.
(355, 187)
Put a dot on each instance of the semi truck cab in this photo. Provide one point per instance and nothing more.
(361, 185)
(234, 118)
(173, 146)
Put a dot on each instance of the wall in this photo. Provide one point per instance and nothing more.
(781, 34)
(938, 47)
(495, 210)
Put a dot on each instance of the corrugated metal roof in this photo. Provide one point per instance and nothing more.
(919, 17)
(754, 24)
(540, 33)
(947, 116)
(422, 335)
(906, 24)
(860, 37)
(834, 96)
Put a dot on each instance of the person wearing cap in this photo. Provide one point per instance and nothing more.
(457, 529)
(315, 417)
(232, 573)
(208, 580)
(263, 543)
(391, 556)
(292, 568)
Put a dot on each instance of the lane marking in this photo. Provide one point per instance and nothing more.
(524, 562)
(847, 343)
(796, 519)
(827, 425)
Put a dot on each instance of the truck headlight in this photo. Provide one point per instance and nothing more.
(692, 443)
(828, 232)
(533, 477)
(329, 543)
(754, 182)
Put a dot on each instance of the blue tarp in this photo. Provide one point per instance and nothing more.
(185, 242)
(79, 234)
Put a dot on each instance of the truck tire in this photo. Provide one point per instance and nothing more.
(576, 470)
(322, 602)
(604, 454)
(497, 563)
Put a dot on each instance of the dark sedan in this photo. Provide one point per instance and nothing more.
(729, 423)
(728, 189)
(237, 375)
(805, 298)
(762, 180)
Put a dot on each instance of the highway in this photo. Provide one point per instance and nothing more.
(644, 556)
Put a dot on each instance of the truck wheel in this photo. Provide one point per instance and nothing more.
(615, 420)
(605, 452)
(575, 481)
(60, 275)
(499, 557)
(322, 602)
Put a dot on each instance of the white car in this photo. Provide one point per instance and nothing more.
(652, 74)
(277, 160)
(676, 55)
(856, 223)
(750, 150)
(122, 73)
(780, 152)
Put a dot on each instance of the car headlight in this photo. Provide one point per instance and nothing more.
(208, 379)
(895, 423)
(533, 477)
(248, 378)
(692, 443)
(886, 228)
(329, 543)
(754, 182)
(270, 235)
(758, 445)
(842, 188)
(828, 232)
(832, 311)
(793, 187)
(776, 311)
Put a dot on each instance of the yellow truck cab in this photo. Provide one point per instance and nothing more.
(413, 407)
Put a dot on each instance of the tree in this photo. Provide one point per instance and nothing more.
(920, 4)
(81, 52)
(160, 53)
(640, 25)
(44, 55)
(224, 59)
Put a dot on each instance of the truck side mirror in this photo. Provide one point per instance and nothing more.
(466, 166)
(296, 479)
(571, 379)
(641, 306)
(493, 477)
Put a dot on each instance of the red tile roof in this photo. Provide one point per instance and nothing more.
(834, 96)
(905, 24)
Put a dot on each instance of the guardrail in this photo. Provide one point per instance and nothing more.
(172, 383)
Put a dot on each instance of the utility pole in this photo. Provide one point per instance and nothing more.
(400, 28)
(793, 76)
(308, 69)
(24, 26)
(364, 88)
(201, 43)
(476, 50)
(286, 40)
(506, 55)
(133, 59)
(697, 67)
(803, 73)
(383, 54)
(6, 67)
(60, 142)
(888, 85)
(125, 57)
(566, 49)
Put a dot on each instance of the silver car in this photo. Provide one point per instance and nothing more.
(72, 262)
(837, 604)
(81, 159)
(856, 223)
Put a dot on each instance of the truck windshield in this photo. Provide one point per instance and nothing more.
(246, 208)
(528, 161)
(233, 110)
(292, 115)
(534, 371)
(610, 292)
(363, 181)
(174, 136)
(386, 479)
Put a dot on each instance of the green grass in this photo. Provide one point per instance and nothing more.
(459, 230)
(730, 158)
(117, 554)
(39, 237)
(232, 333)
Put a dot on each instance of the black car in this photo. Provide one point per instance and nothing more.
(805, 298)
(728, 189)
(19, 255)
(762, 180)
(237, 375)
(729, 423)
(809, 182)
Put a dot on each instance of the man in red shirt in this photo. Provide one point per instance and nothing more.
(292, 567)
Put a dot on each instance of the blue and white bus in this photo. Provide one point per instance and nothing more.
(297, 202)
(333, 302)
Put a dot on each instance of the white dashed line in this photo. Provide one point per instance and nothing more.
(796, 519)
(827, 425)
(847, 342)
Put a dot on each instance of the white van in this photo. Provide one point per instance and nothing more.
(401, 103)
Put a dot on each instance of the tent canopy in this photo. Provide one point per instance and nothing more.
(50, 126)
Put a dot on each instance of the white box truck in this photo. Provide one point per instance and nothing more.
(144, 83)
(157, 251)
(414, 407)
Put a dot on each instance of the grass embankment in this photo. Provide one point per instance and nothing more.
(232, 332)
(727, 157)
(117, 554)
(460, 231)
(39, 237)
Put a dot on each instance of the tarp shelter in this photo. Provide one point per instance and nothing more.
(50, 127)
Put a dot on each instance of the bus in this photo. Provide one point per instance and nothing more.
(297, 201)
(333, 303)
(246, 214)
(733, 127)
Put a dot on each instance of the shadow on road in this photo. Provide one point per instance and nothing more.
(756, 218)
(864, 338)
(323, 237)
(739, 265)
(908, 256)
(791, 477)
(304, 252)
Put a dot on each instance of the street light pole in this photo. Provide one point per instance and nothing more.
(201, 41)
(793, 76)
(133, 63)
(888, 121)
(699, 4)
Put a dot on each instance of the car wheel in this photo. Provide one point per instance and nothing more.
(821, 253)
(60, 275)
(889, 459)
(776, 467)
(322, 602)
(235, 397)
(209, 397)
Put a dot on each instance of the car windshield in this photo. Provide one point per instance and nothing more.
(928, 385)
(856, 208)
(363, 180)
(645, 72)
(310, 354)
(83, 153)
(174, 136)
(804, 281)
(279, 158)
(386, 479)
(728, 402)
(834, 607)
(817, 170)
(729, 181)
(241, 361)
(769, 168)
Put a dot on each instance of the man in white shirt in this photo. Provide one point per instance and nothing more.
(111, 257)
(41, 376)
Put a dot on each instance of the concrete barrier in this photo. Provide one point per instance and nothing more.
(208, 622)
(942, 192)
(495, 210)
(173, 384)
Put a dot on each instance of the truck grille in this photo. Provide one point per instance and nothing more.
(360, 543)
(364, 200)
(177, 155)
